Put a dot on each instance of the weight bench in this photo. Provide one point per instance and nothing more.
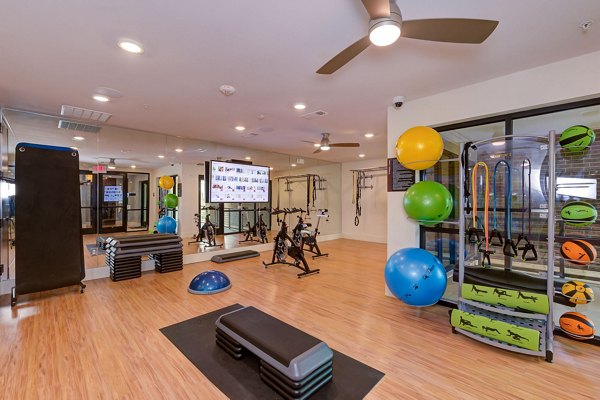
(292, 362)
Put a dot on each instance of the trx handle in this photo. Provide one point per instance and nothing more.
(509, 248)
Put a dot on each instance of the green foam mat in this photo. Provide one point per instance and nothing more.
(498, 330)
(519, 300)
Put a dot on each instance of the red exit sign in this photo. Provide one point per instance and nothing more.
(99, 169)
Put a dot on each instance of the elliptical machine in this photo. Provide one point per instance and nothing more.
(285, 246)
(206, 235)
(259, 230)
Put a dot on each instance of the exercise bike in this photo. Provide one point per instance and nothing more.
(285, 246)
(309, 237)
(259, 230)
(206, 235)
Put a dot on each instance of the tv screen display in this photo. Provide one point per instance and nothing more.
(238, 183)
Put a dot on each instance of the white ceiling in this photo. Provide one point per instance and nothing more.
(57, 52)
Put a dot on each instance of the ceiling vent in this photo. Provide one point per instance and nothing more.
(315, 114)
(78, 126)
(84, 113)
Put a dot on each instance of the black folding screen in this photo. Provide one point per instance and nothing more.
(49, 245)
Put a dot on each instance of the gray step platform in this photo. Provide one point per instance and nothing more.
(293, 363)
(238, 255)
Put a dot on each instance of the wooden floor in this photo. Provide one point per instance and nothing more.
(106, 344)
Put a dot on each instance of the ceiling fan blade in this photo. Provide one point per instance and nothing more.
(308, 141)
(377, 8)
(452, 30)
(317, 151)
(344, 145)
(344, 56)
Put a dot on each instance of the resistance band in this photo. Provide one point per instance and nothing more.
(527, 246)
(486, 252)
(308, 195)
(509, 248)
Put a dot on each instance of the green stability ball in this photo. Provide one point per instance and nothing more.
(577, 138)
(171, 201)
(428, 201)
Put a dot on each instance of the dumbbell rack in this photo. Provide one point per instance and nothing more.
(540, 322)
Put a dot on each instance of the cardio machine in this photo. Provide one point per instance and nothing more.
(285, 246)
(259, 230)
(206, 235)
(305, 237)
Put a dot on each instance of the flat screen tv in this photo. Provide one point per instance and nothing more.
(237, 183)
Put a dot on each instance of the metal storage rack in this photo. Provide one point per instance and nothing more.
(540, 322)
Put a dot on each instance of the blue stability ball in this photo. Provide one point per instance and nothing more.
(416, 277)
(166, 225)
(209, 282)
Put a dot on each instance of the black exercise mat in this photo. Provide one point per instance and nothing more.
(240, 379)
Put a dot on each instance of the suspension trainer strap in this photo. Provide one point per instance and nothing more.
(358, 208)
(465, 161)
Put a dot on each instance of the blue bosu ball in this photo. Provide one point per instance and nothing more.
(209, 282)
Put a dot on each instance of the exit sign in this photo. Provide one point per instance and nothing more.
(99, 169)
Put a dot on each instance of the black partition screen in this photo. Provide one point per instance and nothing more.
(49, 245)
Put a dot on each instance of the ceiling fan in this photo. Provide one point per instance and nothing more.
(386, 26)
(324, 145)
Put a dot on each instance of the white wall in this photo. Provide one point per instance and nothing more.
(373, 220)
(560, 82)
(330, 198)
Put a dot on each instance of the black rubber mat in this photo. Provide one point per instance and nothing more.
(240, 379)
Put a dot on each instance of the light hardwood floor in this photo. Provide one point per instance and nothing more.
(106, 343)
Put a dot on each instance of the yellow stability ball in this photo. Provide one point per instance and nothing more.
(166, 182)
(419, 148)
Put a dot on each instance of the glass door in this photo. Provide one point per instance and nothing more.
(137, 201)
(112, 200)
(87, 190)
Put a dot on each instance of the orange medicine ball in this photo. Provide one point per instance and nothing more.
(578, 252)
(577, 325)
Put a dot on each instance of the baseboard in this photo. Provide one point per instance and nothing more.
(148, 265)
(365, 238)
(90, 274)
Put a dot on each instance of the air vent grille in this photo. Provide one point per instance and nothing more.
(315, 114)
(84, 113)
(77, 126)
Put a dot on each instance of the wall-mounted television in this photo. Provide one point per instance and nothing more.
(231, 182)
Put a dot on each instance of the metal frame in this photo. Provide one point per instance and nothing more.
(546, 322)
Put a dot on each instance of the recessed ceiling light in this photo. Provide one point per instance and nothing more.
(133, 166)
(361, 155)
(74, 148)
(240, 128)
(369, 135)
(248, 158)
(79, 138)
(112, 167)
(131, 46)
(299, 106)
(161, 156)
(101, 98)
(317, 144)
(271, 168)
(179, 150)
(293, 165)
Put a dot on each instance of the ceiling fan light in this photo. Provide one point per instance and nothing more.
(384, 33)
(325, 147)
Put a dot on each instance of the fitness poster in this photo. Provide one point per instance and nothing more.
(238, 183)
